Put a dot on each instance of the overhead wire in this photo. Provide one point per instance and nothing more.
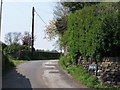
(40, 17)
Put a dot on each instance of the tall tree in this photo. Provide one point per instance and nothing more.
(74, 5)
(59, 25)
(12, 37)
(51, 30)
(60, 15)
(27, 39)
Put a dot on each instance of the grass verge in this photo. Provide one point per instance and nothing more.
(10, 63)
(82, 75)
(17, 62)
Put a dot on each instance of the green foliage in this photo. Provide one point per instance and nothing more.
(24, 52)
(9, 63)
(63, 39)
(62, 62)
(2, 46)
(17, 62)
(94, 31)
(73, 6)
(65, 61)
(81, 74)
(38, 55)
(15, 49)
(24, 48)
(111, 34)
(6, 63)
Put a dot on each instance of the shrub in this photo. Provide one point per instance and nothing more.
(14, 50)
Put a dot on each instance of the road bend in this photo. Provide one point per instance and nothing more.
(39, 74)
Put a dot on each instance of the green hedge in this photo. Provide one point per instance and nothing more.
(23, 52)
(94, 31)
(38, 55)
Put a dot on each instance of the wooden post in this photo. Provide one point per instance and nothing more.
(32, 29)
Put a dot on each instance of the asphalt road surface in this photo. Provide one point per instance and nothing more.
(39, 74)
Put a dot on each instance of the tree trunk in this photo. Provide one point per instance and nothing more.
(65, 49)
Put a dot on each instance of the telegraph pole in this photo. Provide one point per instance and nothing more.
(33, 29)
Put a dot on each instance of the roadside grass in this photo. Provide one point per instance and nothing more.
(82, 75)
(17, 62)
(11, 63)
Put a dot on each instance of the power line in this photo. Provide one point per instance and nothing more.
(40, 17)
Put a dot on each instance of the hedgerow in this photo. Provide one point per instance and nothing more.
(94, 31)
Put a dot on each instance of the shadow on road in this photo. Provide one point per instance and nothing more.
(13, 79)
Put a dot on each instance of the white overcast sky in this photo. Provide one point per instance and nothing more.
(16, 17)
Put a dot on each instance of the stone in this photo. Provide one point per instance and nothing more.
(108, 70)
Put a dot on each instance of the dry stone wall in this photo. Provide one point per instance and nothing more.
(108, 71)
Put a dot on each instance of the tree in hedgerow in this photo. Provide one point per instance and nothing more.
(58, 25)
(75, 5)
(27, 39)
(12, 37)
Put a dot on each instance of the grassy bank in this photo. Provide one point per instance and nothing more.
(10, 63)
(82, 75)
(17, 62)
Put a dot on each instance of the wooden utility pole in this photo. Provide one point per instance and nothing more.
(33, 29)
